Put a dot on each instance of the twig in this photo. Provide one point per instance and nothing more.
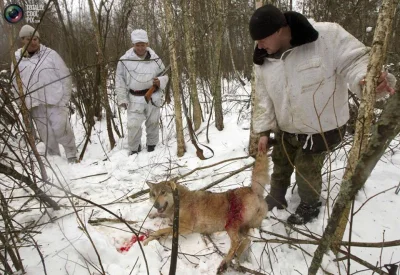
(316, 241)
(243, 269)
(362, 205)
(397, 189)
(208, 237)
(94, 175)
(208, 166)
(362, 262)
(101, 220)
(145, 191)
(227, 176)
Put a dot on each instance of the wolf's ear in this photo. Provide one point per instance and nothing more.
(150, 184)
(172, 184)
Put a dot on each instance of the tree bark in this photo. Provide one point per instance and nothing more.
(216, 64)
(181, 148)
(253, 140)
(190, 57)
(365, 153)
(383, 132)
(365, 112)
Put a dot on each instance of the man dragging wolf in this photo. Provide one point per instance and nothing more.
(303, 72)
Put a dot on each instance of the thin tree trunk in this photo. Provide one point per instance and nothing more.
(190, 56)
(383, 133)
(216, 64)
(364, 155)
(365, 113)
(181, 148)
(253, 140)
(103, 74)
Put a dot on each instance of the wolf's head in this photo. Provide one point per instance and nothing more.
(161, 195)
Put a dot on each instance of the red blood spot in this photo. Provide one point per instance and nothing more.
(235, 210)
(132, 241)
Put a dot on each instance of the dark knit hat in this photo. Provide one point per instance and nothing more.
(266, 21)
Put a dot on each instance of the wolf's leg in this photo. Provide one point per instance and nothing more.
(244, 245)
(242, 253)
(235, 242)
(157, 215)
(165, 232)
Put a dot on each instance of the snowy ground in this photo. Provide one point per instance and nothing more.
(109, 177)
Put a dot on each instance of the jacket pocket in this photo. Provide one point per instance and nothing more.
(311, 75)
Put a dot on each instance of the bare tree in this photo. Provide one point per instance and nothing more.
(189, 23)
(215, 47)
(365, 152)
(181, 148)
(102, 80)
(366, 110)
(253, 140)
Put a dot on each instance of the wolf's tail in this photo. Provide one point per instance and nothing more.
(260, 176)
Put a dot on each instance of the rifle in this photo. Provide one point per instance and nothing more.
(153, 88)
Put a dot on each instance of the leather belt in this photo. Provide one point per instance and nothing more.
(138, 92)
(302, 137)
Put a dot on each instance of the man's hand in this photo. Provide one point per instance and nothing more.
(123, 105)
(383, 84)
(262, 144)
(156, 82)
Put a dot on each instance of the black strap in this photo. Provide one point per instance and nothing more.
(138, 92)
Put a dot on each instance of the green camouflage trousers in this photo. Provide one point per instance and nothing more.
(287, 155)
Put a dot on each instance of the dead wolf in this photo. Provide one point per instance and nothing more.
(235, 211)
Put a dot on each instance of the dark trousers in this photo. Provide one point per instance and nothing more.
(288, 155)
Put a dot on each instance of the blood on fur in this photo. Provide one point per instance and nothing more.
(234, 216)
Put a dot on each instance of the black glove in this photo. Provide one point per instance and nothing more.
(259, 55)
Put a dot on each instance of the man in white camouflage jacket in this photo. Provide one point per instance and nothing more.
(303, 72)
(137, 71)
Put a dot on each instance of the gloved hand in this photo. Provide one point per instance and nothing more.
(259, 55)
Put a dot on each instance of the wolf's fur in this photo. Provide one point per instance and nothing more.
(235, 211)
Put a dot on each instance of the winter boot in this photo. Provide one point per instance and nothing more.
(150, 148)
(276, 199)
(304, 213)
(137, 151)
(72, 160)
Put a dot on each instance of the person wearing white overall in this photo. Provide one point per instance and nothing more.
(137, 71)
(47, 88)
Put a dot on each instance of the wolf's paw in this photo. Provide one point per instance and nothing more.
(146, 241)
(222, 267)
(153, 215)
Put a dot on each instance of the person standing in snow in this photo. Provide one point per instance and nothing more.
(303, 71)
(47, 88)
(137, 71)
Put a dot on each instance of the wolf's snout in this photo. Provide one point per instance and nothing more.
(160, 208)
(157, 205)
